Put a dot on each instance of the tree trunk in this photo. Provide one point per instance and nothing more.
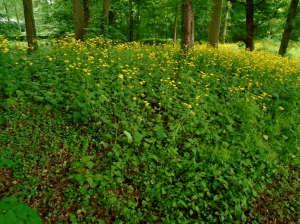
(6, 11)
(249, 25)
(288, 28)
(105, 14)
(78, 25)
(175, 25)
(225, 22)
(215, 22)
(18, 19)
(87, 15)
(130, 22)
(187, 33)
(271, 25)
(30, 26)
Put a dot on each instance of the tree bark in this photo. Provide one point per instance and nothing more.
(215, 22)
(270, 30)
(225, 22)
(130, 22)
(175, 25)
(187, 33)
(30, 26)
(289, 27)
(249, 25)
(78, 25)
(18, 19)
(87, 14)
(6, 11)
(105, 14)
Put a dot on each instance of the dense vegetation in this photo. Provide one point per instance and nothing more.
(137, 133)
(105, 118)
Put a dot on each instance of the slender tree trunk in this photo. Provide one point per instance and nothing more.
(225, 22)
(105, 14)
(18, 18)
(175, 25)
(215, 22)
(6, 11)
(30, 26)
(270, 30)
(87, 14)
(187, 34)
(250, 25)
(130, 22)
(288, 28)
(78, 24)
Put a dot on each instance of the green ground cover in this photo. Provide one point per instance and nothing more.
(126, 133)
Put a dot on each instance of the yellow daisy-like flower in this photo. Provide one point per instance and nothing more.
(98, 84)
(281, 108)
(88, 73)
(17, 63)
(134, 98)
(121, 76)
(50, 59)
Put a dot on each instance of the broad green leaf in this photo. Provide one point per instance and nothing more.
(98, 177)
(106, 137)
(48, 107)
(10, 217)
(90, 164)
(83, 189)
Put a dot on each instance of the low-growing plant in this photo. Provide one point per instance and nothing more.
(12, 212)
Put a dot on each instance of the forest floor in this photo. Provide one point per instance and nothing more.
(127, 133)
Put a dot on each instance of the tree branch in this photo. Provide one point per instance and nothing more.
(255, 5)
(238, 2)
(267, 19)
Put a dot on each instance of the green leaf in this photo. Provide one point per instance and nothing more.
(91, 182)
(10, 102)
(79, 178)
(10, 217)
(48, 107)
(34, 220)
(137, 137)
(39, 98)
(129, 137)
(98, 177)
(105, 137)
(10, 199)
(83, 189)
(90, 164)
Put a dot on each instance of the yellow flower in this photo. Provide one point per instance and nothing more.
(24, 59)
(121, 76)
(88, 73)
(67, 69)
(30, 63)
(170, 98)
(134, 98)
(98, 84)
(281, 108)
(50, 59)
(159, 103)
(17, 63)
(189, 106)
